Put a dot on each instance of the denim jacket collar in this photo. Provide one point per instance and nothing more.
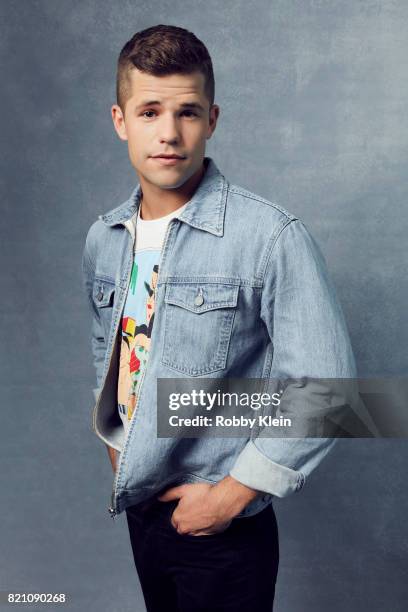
(204, 211)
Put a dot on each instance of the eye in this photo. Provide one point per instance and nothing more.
(190, 113)
(148, 111)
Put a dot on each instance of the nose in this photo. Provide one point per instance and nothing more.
(168, 129)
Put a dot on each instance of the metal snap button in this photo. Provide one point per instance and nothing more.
(266, 498)
(199, 300)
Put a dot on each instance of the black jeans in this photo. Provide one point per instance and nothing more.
(231, 571)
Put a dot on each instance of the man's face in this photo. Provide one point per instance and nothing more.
(166, 115)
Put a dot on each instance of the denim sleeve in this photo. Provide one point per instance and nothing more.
(98, 341)
(308, 332)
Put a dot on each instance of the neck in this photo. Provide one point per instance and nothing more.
(157, 202)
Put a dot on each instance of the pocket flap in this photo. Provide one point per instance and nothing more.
(103, 291)
(200, 298)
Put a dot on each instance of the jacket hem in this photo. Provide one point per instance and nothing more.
(129, 497)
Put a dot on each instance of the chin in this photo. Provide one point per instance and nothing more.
(168, 180)
(173, 185)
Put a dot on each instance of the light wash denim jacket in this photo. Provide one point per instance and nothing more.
(270, 311)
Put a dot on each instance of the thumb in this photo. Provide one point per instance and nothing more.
(172, 493)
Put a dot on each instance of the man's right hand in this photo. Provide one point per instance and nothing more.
(112, 456)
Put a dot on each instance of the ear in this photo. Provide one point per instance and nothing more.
(214, 114)
(119, 122)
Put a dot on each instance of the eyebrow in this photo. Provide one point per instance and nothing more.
(195, 105)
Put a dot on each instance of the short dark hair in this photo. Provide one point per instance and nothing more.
(163, 50)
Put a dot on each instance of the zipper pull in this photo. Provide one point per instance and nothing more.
(112, 512)
(111, 508)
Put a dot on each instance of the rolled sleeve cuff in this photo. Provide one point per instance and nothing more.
(256, 471)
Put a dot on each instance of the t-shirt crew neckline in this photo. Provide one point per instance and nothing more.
(159, 220)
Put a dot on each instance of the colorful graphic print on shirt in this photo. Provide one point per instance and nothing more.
(136, 328)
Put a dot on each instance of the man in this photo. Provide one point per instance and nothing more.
(194, 277)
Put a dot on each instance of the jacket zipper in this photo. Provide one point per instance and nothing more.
(110, 357)
(113, 508)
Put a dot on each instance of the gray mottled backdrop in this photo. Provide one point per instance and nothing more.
(313, 98)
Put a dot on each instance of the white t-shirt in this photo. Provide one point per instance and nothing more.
(138, 314)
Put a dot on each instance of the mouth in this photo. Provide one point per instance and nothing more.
(168, 159)
(168, 156)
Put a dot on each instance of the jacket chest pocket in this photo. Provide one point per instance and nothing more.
(198, 326)
(103, 295)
